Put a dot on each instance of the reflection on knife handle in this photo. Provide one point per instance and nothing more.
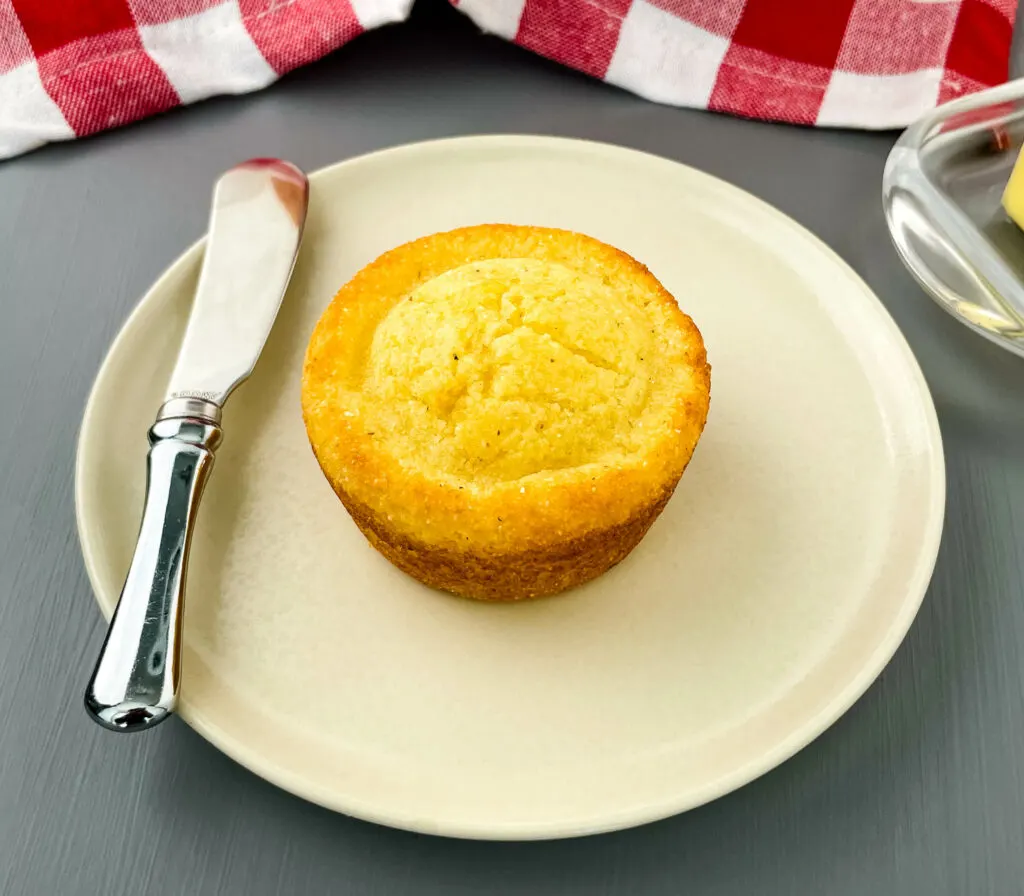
(135, 683)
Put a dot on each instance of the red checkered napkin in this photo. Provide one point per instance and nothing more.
(73, 67)
(853, 63)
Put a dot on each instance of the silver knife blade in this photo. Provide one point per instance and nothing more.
(256, 221)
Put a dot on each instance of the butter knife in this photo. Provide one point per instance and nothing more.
(256, 221)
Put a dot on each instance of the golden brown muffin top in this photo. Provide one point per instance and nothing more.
(494, 361)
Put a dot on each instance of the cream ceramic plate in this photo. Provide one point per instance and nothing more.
(778, 582)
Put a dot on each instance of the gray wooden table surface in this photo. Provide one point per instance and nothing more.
(917, 790)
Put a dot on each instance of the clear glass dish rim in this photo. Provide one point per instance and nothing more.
(904, 172)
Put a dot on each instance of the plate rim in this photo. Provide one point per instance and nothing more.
(798, 738)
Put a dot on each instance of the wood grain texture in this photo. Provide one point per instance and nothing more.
(917, 790)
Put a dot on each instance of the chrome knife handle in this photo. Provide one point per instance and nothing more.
(135, 683)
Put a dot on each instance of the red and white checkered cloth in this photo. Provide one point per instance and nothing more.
(73, 67)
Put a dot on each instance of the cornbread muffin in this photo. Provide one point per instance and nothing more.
(503, 410)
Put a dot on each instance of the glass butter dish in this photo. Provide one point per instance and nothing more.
(942, 192)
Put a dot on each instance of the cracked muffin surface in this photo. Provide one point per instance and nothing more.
(504, 410)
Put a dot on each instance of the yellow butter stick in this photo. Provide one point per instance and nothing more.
(1013, 195)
